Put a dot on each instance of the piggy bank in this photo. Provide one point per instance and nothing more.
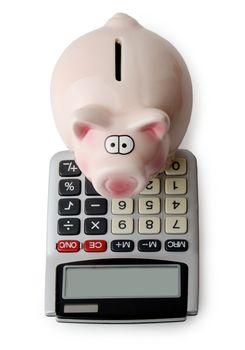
(121, 97)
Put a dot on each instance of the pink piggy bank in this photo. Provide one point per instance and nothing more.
(122, 98)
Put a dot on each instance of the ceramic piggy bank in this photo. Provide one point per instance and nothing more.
(122, 98)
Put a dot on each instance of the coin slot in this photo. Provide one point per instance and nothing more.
(118, 59)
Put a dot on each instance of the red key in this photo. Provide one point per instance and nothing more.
(95, 245)
(68, 246)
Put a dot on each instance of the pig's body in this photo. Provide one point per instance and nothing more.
(121, 131)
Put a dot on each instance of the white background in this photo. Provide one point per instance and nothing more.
(210, 36)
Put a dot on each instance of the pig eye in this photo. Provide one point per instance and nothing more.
(126, 144)
(111, 144)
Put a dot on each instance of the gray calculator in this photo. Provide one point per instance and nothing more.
(122, 260)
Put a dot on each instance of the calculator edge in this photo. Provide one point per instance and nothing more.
(52, 206)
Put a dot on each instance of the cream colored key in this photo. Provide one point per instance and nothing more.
(175, 205)
(178, 167)
(149, 205)
(122, 206)
(153, 187)
(149, 225)
(176, 225)
(175, 185)
(122, 225)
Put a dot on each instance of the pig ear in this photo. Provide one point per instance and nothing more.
(88, 118)
(156, 123)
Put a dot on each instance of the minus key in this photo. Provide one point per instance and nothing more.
(95, 206)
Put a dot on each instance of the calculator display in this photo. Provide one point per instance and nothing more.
(121, 282)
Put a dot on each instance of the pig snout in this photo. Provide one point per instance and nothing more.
(119, 185)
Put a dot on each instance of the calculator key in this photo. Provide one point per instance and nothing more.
(95, 246)
(122, 225)
(68, 246)
(176, 245)
(71, 206)
(175, 225)
(122, 245)
(122, 206)
(69, 226)
(178, 167)
(95, 206)
(69, 187)
(149, 225)
(175, 186)
(89, 189)
(149, 245)
(149, 205)
(153, 187)
(69, 168)
(95, 226)
(175, 205)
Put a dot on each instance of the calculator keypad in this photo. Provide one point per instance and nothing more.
(160, 210)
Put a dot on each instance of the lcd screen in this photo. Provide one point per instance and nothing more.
(96, 282)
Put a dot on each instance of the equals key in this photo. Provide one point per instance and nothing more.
(95, 206)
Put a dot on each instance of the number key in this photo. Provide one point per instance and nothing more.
(176, 205)
(122, 225)
(122, 206)
(178, 167)
(149, 225)
(153, 187)
(149, 205)
(176, 225)
(175, 185)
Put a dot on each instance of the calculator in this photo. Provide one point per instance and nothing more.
(124, 260)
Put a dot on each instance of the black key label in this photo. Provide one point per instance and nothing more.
(176, 245)
(122, 245)
(69, 187)
(95, 226)
(149, 245)
(71, 206)
(69, 226)
(95, 206)
(69, 168)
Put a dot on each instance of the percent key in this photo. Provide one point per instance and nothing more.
(69, 187)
